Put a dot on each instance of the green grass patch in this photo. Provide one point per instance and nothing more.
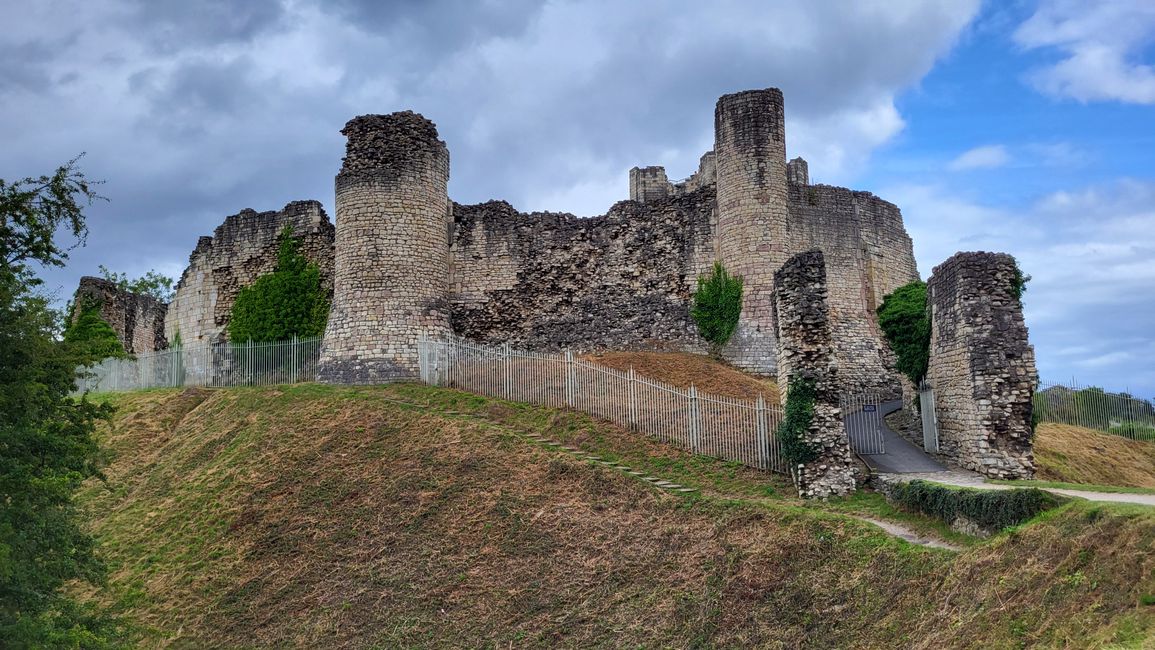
(992, 510)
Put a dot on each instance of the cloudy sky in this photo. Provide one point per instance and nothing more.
(1026, 127)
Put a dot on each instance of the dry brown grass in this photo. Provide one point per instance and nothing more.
(316, 516)
(681, 369)
(1077, 455)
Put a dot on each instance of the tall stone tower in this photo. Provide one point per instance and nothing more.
(391, 267)
(750, 146)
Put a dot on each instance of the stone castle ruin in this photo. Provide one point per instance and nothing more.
(404, 261)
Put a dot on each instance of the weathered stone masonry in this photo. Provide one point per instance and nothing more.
(981, 366)
(805, 349)
(242, 249)
(137, 319)
(392, 253)
(404, 259)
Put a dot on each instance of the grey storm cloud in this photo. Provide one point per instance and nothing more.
(192, 111)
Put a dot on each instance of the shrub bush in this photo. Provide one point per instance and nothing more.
(91, 337)
(798, 416)
(990, 509)
(905, 322)
(285, 303)
(717, 305)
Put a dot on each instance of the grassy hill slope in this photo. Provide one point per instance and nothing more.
(409, 516)
(1078, 455)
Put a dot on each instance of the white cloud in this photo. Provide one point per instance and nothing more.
(1102, 43)
(984, 157)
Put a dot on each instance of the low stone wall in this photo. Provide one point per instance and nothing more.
(805, 350)
(982, 367)
(137, 319)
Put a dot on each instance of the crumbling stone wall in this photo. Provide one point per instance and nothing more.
(242, 249)
(623, 280)
(806, 350)
(750, 147)
(648, 184)
(982, 367)
(798, 172)
(138, 319)
(392, 249)
(869, 255)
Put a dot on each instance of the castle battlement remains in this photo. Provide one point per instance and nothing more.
(404, 260)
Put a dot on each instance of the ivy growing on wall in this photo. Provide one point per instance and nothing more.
(717, 305)
(91, 337)
(285, 303)
(905, 321)
(801, 394)
(1019, 283)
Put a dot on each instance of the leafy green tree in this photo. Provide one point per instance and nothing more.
(46, 445)
(717, 305)
(92, 337)
(905, 322)
(150, 284)
(285, 303)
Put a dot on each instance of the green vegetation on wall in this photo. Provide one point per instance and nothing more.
(1019, 283)
(990, 509)
(717, 305)
(799, 414)
(285, 303)
(91, 336)
(905, 322)
(150, 284)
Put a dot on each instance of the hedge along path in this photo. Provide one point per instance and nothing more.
(968, 480)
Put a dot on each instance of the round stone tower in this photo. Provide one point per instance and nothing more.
(391, 259)
(750, 148)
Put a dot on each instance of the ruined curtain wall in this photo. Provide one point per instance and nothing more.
(242, 249)
(137, 319)
(547, 280)
(868, 255)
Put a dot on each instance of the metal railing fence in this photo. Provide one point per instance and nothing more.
(862, 417)
(1093, 408)
(222, 364)
(731, 429)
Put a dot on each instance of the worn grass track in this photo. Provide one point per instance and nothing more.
(409, 516)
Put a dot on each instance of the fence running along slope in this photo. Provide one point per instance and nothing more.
(731, 429)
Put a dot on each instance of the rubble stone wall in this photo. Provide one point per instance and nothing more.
(806, 350)
(240, 250)
(982, 367)
(392, 252)
(623, 280)
(138, 319)
(868, 256)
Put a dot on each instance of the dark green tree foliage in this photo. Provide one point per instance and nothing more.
(91, 337)
(46, 443)
(717, 305)
(990, 509)
(905, 322)
(285, 303)
(150, 284)
(799, 415)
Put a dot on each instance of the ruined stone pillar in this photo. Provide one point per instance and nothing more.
(982, 368)
(391, 262)
(805, 350)
(750, 149)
